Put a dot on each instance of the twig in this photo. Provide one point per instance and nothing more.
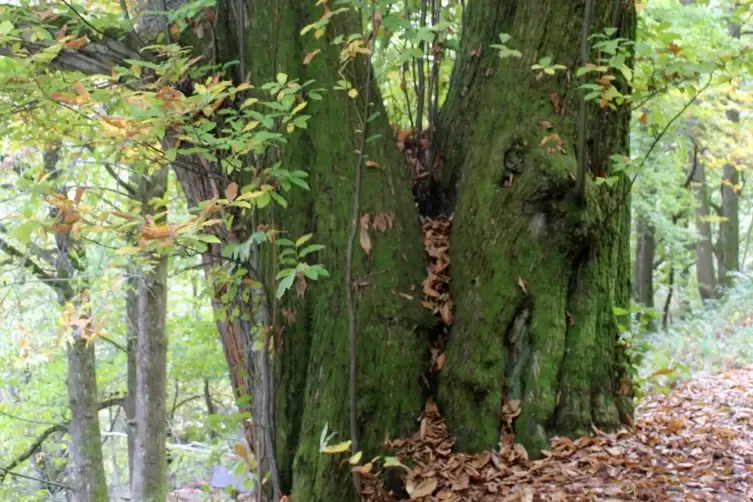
(7, 472)
(30, 451)
(352, 322)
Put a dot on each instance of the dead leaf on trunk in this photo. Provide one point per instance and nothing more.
(365, 239)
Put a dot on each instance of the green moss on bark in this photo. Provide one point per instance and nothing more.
(535, 276)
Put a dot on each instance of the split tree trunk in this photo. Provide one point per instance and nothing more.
(535, 277)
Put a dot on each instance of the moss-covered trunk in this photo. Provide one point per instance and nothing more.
(311, 354)
(535, 275)
(312, 362)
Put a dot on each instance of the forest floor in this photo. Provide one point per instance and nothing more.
(695, 443)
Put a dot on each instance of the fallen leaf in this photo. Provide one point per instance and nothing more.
(424, 489)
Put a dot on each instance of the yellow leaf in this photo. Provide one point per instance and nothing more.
(337, 448)
(355, 458)
(128, 250)
(290, 127)
(353, 93)
(80, 89)
(251, 125)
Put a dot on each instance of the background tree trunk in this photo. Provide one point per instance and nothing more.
(729, 229)
(704, 248)
(535, 277)
(86, 467)
(645, 254)
(149, 478)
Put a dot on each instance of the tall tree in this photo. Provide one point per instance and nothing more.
(704, 248)
(149, 461)
(729, 229)
(536, 273)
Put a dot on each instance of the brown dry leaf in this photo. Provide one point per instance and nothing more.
(424, 489)
(372, 163)
(310, 56)
(546, 124)
(644, 118)
(231, 192)
(77, 43)
(365, 240)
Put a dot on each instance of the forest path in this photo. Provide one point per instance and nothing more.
(695, 443)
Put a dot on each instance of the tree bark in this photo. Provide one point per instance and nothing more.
(645, 253)
(729, 229)
(86, 467)
(132, 313)
(535, 276)
(704, 247)
(149, 478)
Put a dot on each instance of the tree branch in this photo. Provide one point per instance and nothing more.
(30, 451)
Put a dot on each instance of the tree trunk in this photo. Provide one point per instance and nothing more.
(645, 254)
(729, 229)
(149, 478)
(704, 247)
(129, 406)
(86, 468)
(535, 276)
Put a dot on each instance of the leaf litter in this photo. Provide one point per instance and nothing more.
(695, 443)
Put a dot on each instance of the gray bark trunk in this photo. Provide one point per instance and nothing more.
(132, 310)
(704, 248)
(149, 479)
(86, 467)
(86, 470)
(729, 230)
(645, 254)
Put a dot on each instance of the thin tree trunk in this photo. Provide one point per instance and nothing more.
(86, 467)
(132, 312)
(704, 248)
(149, 482)
(729, 229)
(645, 253)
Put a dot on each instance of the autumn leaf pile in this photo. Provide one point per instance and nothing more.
(693, 444)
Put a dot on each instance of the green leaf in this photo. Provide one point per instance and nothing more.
(6, 27)
(313, 248)
(285, 284)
